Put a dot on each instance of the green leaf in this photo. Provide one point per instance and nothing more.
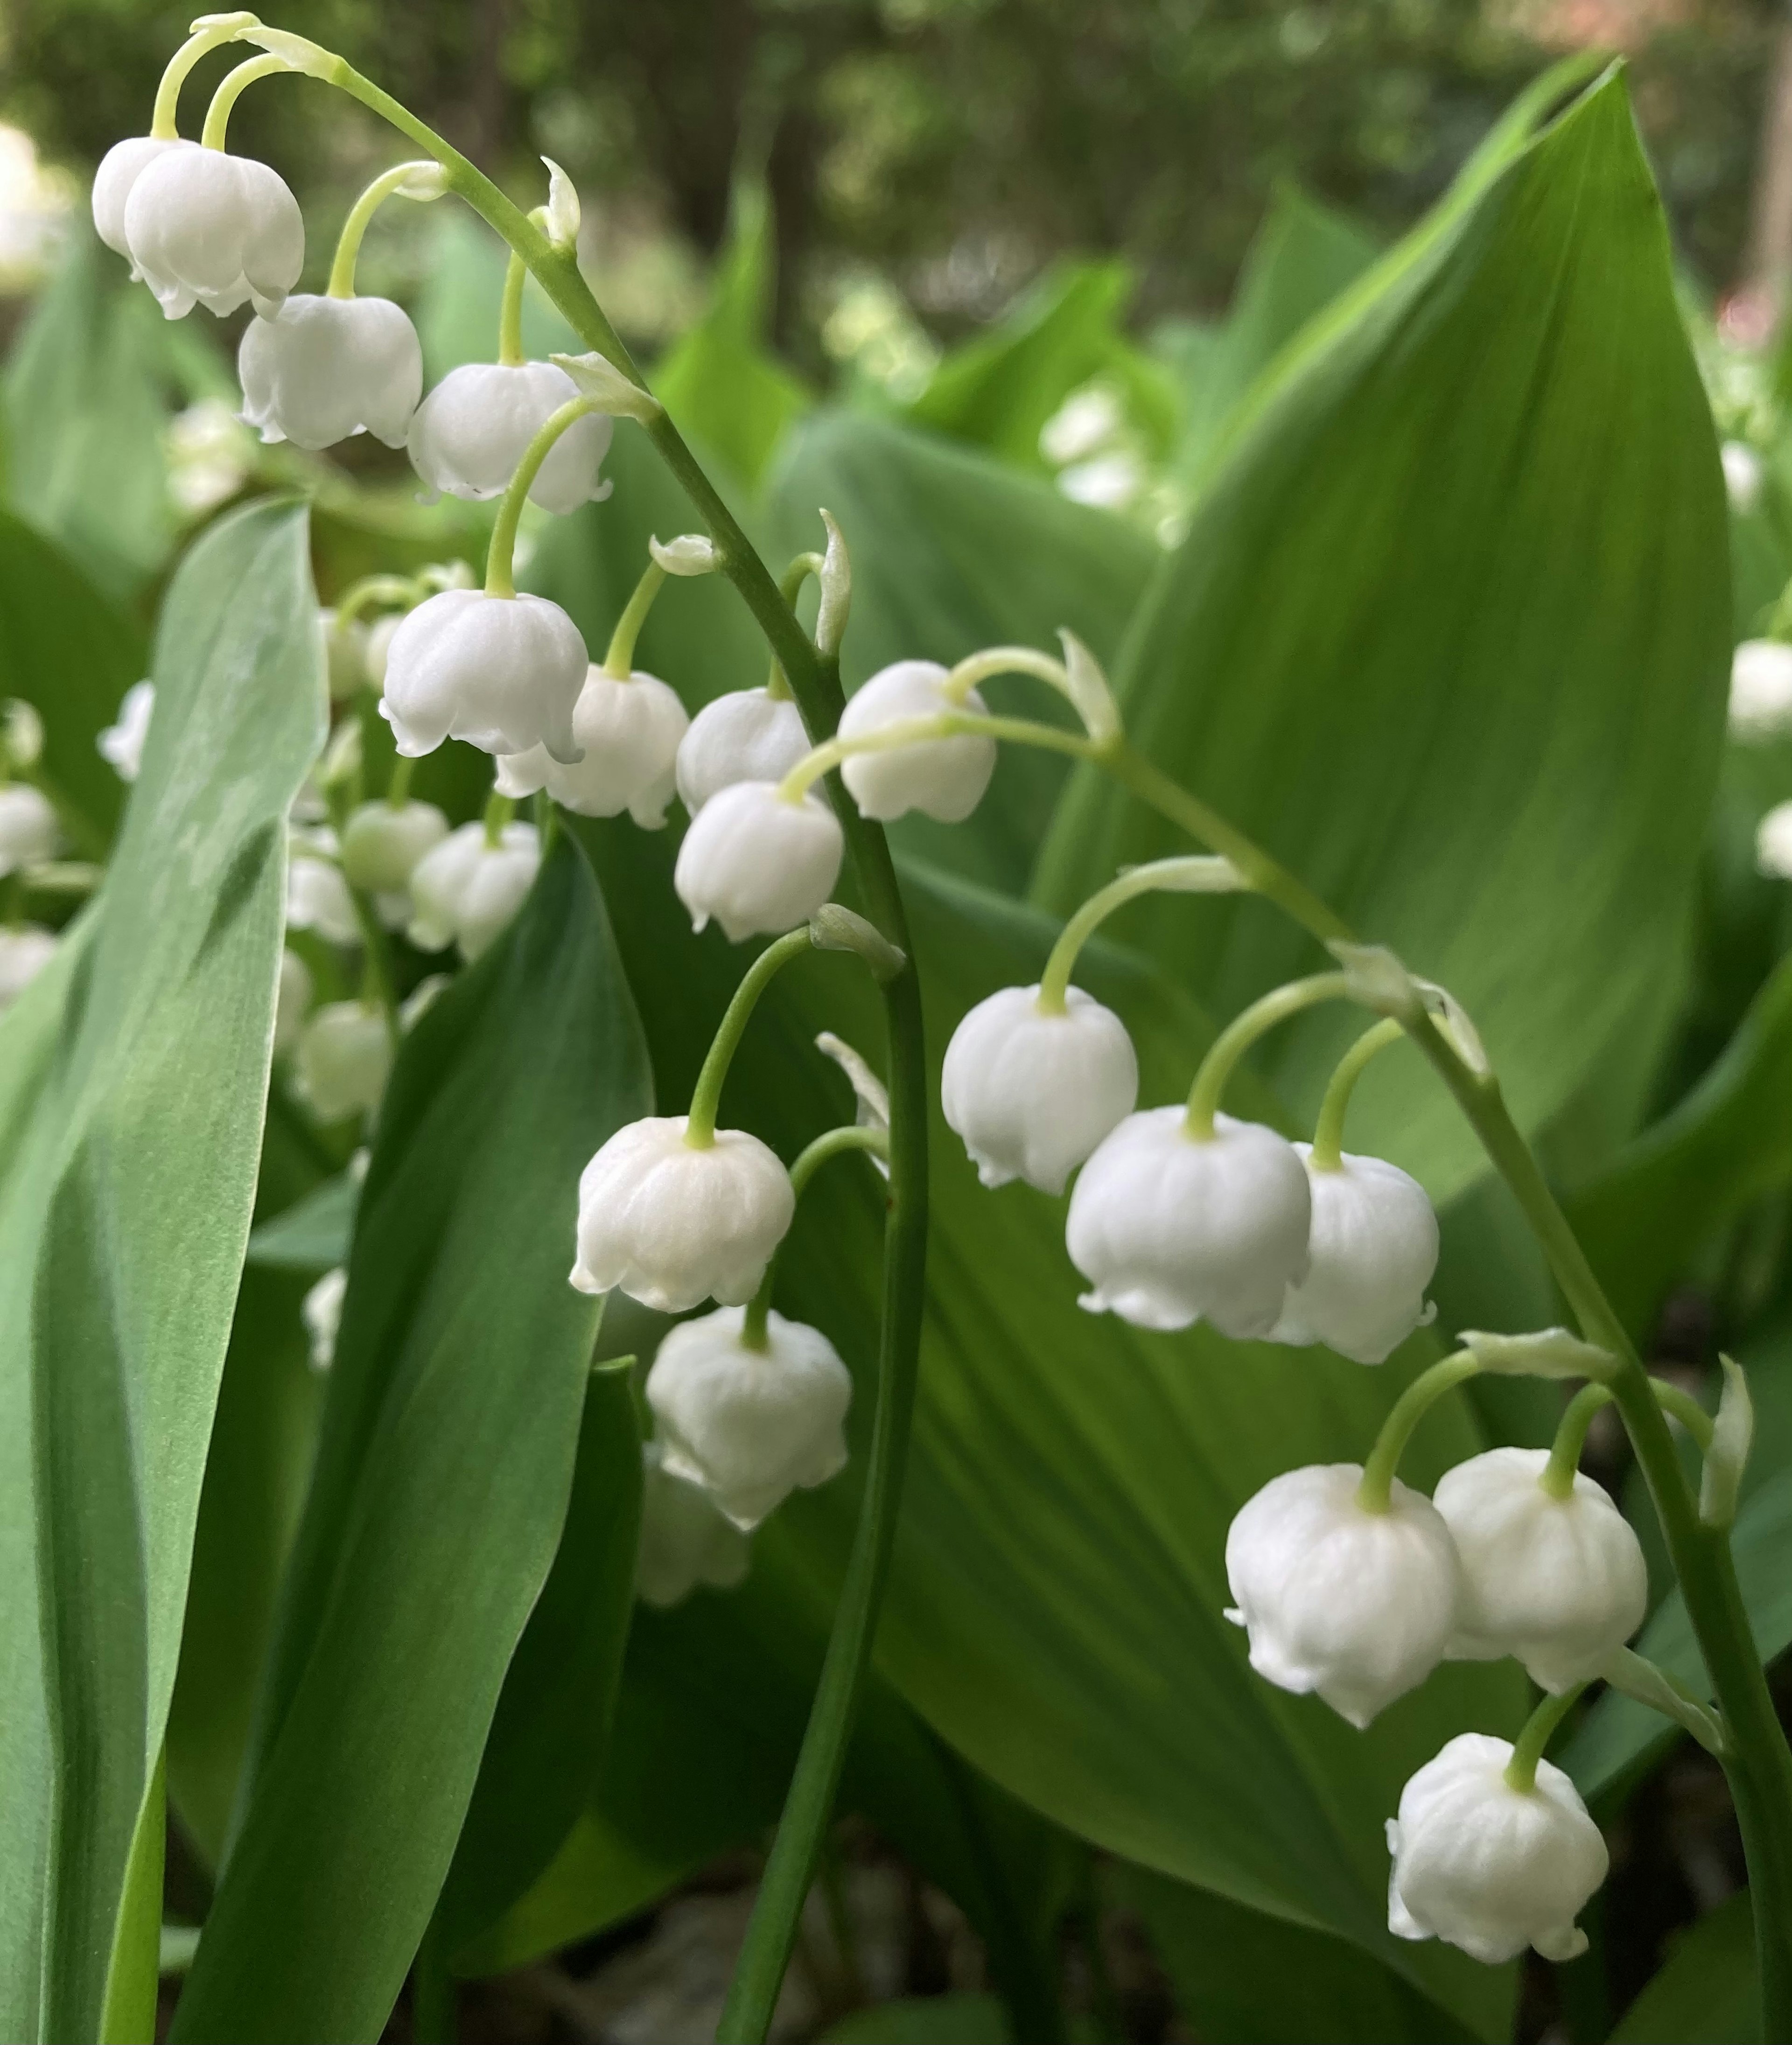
(929, 2020)
(952, 551)
(130, 1177)
(441, 1480)
(1706, 1991)
(1402, 644)
(314, 1233)
(63, 649)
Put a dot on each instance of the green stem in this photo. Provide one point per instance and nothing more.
(164, 124)
(832, 1143)
(500, 559)
(1197, 875)
(618, 662)
(1375, 1493)
(390, 589)
(1242, 1032)
(218, 114)
(1328, 1151)
(349, 243)
(509, 313)
(699, 1124)
(790, 586)
(1558, 1478)
(377, 987)
(1521, 1770)
(903, 731)
(397, 788)
(499, 810)
(993, 660)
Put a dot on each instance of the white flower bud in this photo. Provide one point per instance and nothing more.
(563, 207)
(686, 1539)
(466, 891)
(1169, 1229)
(468, 434)
(204, 227)
(1772, 843)
(630, 729)
(377, 649)
(748, 735)
(1033, 1094)
(1743, 475)
(344, 1054)
(674, 1225)
(1760, 690)
(119, 169)
(321, 1310)
(686, 554)
(21, 734)
(941, 777)
(322, 369)
(28, 830)
(1372, 1250)
(292, 1002)
(1489, 1867)
(749, 1425)
(345, 657)
(757, 863)
(1357, 1606)
(1560, 1583)
(25, 950)
(317, 899)
(422, 997)
(382, 844)
(502, 672)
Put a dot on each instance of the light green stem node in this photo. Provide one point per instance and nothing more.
(509, 313)
(236, 82)
(500, 559)
(1375, 1493)
(618, 662)
(498, 811)
(1242, 1032)
(699, 1124)
(1521, 1770)
(832, 1143)
(1199, 873)
(354, 228)
(1328, 1153)
(916, 731)
(164, 125)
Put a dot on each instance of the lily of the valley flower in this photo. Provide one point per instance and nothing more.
(502, 672)
(629, 727)
(1760, 690)
(747, 735)
(687, 1541)
(1372, 1248)
(317, 896)
(292, 1001)
(750, 1424)
(941, 777)
(467, 436)
(321, 1310)
(466, 890)
(321, 370)
(205, 228)
(28, 830)
(382, 842)
(344, 1054)
(25, 950)
(757, 862)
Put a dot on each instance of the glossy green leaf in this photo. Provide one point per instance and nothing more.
(1706, 1992)
(1404, 643)
(131, 1180)
(442, 1476)
(314, 1233)
(952, 551)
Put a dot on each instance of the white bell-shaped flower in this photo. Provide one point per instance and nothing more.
(1170, 1229)
(382, 841)
(344, 654)
(377, 649)
(1560, 1583)
(757, 863)
(1373, 1249)
(344, 1054)
(120, 743)
(468, 434)
(28, 830)
(1772, 843)
(1743, 475)
(629, 727)
(25, 950)
(687, 1541)
(292, 1001)
(207, 228)
(1358, 1606)
(322, 370)
(321, 1310)
(119, 169)
(466, 891)
(1760, 690)
(1032, 1094)
(1489, 1867)
(317, 899)
(749, 1425)
(502, 672)
(941, 777)
(747, 735)
(672, 1225)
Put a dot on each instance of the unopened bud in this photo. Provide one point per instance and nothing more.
(690, 554)
(836, 581)
(563, 207)
(1731, 1434)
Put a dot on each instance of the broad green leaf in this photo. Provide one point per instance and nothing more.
(63, 649)
(132, 1178)
(1706, 1991)
(952, 551)
(1644, 1220)
(1403, 645)
(998, 389)
(718, 381)
(85, 414)
(314, 1233)
(442, 1476)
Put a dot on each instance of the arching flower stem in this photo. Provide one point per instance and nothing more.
(401, 178)
(619, 661)
(1242, 1031)
(699, 1124)
(164, 125)
(509, 313)
(500, 559)
(1328, 1153)
(236, 82)
(1375, 1493)
(832, 1143)
(1539, 1727)
(1199, 873)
